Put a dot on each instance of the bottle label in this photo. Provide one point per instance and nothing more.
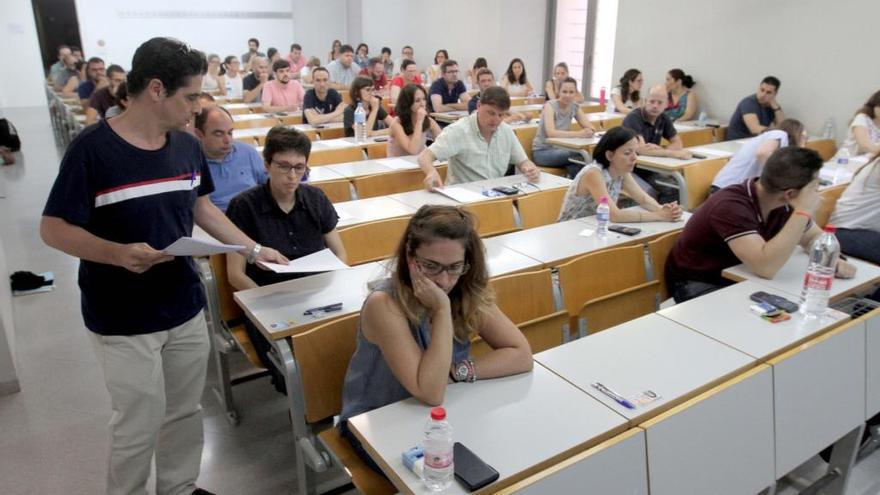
(817, 281)
(438, 460)
(603, 216)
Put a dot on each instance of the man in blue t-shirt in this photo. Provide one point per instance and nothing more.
(235, 166)
(96, 75)
(755, 113)
(322, 104)
(448, 94)
(127, 188)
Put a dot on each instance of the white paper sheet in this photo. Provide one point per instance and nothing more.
(342, 214)
(322, 261)
(712, 152)
(398, 163)
(460, 194)
(187, 246)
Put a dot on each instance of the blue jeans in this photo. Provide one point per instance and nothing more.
(558, 158)
(861, 243)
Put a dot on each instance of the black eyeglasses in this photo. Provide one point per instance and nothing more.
(432, 268)
(286, 167)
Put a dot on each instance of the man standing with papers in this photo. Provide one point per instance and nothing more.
(127, 187)
(296, 219)
(479, 146)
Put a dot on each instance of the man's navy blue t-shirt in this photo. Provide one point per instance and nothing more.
(447, 96)
(85, 89)
(125, 194)
(325, 106)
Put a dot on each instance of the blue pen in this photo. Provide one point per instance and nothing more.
(613, 395)
(192, 179)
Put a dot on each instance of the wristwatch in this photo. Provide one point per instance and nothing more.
(461, 371)
(252, 256)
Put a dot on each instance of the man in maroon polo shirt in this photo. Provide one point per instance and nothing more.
(758, 222)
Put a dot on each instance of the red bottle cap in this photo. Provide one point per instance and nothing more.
(830, 229)
(438, 413)
(603, 199)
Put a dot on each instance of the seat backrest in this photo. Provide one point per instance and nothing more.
(524, 296)
(541, 208)
(826, 148)
(601, 273)
(542, 333)
(697, 138)
(251, 123)
(699, 180)
(827, 201)
(332, 133)
(238, 110)
(375, 152)
(370, 186)
(526, 135)
(291, 119)
(251, 140)
(229, 309)
(372, 241)
(659, 249)
(337, 191)
(342, 155)
(322, 356)
(616, 308)
(493, 217)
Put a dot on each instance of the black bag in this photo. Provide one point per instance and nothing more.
(9, 136)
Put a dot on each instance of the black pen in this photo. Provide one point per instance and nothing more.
(323, 309)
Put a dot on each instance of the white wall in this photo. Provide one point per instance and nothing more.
(498, 30)
(113, 30)
(317, 23)
(823, 52)
(21, 82)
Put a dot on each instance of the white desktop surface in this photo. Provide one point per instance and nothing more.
(370, 209)
(555, 242)
(650, 353)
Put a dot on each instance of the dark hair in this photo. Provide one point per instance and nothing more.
(571, 80)
(679, 75)
(226, 61)
(794, 128)
(320, 68)
(485, 70)
(354, 91)
(202, 117)
(281, 139)
(563, 65)
(74, 48)
(375, 60)
(480, 63)
(121, 94)
(868, 107)
(772, 81)
(255, 41)
(471, 297)
(613, 139)
(387, 50)
(513, 79)
(446, 64)
(403, 108)
(405, 63)
(365, 46)
(114, 69)
(271, 52)
(405, 47)
(170, 61)
(94, 60)
(280, 64)
(627, 78)
(495, 96)
(295, 46)
(790, 168)
(61, 47)
(345, 49)
(444, 52)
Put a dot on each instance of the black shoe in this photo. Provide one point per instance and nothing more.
(201, 491)
(27, 281)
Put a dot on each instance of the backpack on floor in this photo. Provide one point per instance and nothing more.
(9, 136)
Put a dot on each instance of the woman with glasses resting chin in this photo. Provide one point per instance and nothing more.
(294, 218)
(416, 326)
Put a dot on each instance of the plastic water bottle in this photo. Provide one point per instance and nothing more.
(437, 447)
(829, 131)
(602, 96)
(228, 88)
(820, 273)
(360, 123)
(701, 120)
(603, 216)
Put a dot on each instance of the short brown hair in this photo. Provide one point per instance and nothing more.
(790, 168)
(496, 96)
(281, 139)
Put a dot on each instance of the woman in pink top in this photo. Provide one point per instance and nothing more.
(411, 127)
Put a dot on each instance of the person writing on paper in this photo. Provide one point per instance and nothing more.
(747, 162)
(295, 218)
(555, 122)
(479, 146)
(759, 223)
(411, 127)
(416, 327)
(128, 187)
(614, 160)
(863, 135)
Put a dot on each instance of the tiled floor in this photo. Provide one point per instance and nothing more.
(53, 433)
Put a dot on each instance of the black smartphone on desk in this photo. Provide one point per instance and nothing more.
(622, 229)
(510, 191)
(380, 139)
(470, 470)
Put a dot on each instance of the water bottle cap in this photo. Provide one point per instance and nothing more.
(603, 200)
(438, 413)
(830, 229)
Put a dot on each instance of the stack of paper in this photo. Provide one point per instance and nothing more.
(322, 261)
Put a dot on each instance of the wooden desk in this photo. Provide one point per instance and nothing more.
(790, 278)
(370, 209)
(449, 117)
(321, 174)
(518, 425)
(744, 330)
(648, 353)
(546, 182)
(242, 106)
